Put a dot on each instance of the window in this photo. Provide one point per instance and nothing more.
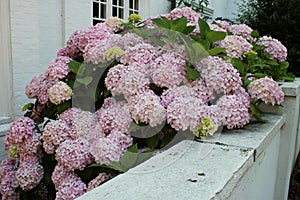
(103, 9)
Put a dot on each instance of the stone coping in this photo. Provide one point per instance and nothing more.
(291, 88)
(194, 169)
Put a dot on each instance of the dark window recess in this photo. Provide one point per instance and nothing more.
(115, 12)
(121, 13)
(95, 9)
(103, 11)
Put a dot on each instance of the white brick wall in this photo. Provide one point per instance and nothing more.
(39, 29)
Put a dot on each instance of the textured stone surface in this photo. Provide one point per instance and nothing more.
(186, 177)
(239, 163)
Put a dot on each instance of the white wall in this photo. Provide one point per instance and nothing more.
(154, 7)
(38, 30)
(224, 8)
(5, 64)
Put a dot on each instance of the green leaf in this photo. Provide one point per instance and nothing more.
(161, 23)
(63, 106)
(152, 142)
(239, 65)
(204, 27)
(215, 51)
(178, 24)
(188, 30)
(272, 62)
(74, 66)
(214, 36)
(256, 113)
(255, 33)
(128, 160)
(27, 106)
(192, 73)
(85, 81)
(284, 65)
(204, 43)
(259, 75)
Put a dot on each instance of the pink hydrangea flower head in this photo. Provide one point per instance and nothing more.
(8, 181)
(235, 46)
(29, 175)
(58, 68)
(140, 55)
(187, 12)
(19, 131)
(71, 188)
(123, 140)
(31, 146)
(74, 154)
(105, 151)
(33, 88)
(127, 80)
(146, 108)
(94, 51)
(241, 30)
(274, 47)
(181, 112)
(114, 117)
(267, 90)
(224, 24)
(59, 93)
(114, 23)
(219, 75)
(55, 132)
(43, 96)
(235, 110)
(216, 27)
(129, 40)
(168, 70)
(102, 177)
(209, 118)
(60, 174)
(81, 122)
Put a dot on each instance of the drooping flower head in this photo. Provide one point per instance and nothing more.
(59, 93)
(235, 46)
(267, 90)
(274, 47)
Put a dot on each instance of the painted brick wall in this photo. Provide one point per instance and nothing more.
(38, 30)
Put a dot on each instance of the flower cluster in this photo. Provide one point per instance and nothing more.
(147, 80)
(274, 47)
(267, 90)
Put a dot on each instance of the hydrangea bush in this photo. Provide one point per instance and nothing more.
(119, 91)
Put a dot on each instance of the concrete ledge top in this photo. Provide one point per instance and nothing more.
(187, 176)
(192, 168)
(291, 88)
(254, 136)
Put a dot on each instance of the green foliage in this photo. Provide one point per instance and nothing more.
(278, 18)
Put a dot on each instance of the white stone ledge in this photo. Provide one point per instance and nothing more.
(291, 88)
(227, 171)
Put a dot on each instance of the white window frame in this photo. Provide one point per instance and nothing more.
(6, 89)
(109, 9)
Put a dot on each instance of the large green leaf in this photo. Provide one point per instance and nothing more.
(215, 51)
(161, 22)
(214, 36)
(204, 27)
(74, 66)
(178, 24)
(192, 73)
(85, 81)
